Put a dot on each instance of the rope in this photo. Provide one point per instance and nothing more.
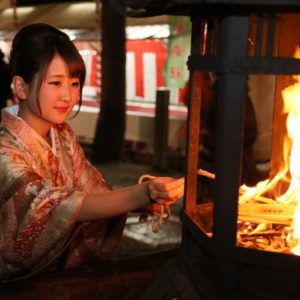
(157, 213)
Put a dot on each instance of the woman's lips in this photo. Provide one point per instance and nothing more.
(62, 109)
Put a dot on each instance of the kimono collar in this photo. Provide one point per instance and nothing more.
(22, 130)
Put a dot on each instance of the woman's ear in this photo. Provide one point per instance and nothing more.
(20, 87)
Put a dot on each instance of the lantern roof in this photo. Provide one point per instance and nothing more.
(146, 8)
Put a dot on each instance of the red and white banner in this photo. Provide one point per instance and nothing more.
(145, 60)
(145, 63)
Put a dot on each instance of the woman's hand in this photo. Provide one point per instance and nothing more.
(166, 190)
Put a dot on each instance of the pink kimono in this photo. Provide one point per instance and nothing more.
(41, 192)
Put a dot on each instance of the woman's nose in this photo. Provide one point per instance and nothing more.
(66, 94)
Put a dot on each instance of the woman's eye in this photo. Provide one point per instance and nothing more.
(76, 83)
(54, 82)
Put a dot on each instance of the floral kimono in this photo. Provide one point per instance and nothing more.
(42, 188)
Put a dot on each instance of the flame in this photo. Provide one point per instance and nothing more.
(290, 170)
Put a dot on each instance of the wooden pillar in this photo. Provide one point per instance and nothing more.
(161, 128)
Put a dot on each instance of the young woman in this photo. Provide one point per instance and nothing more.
(56, 210)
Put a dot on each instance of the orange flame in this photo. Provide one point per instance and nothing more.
(290, 171)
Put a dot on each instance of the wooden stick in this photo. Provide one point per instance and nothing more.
(205, 173)
(276, 213)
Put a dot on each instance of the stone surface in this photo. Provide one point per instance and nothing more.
(138, 238)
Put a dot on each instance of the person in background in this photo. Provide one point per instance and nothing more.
(5, 82)
(250, 174)
(56, 209)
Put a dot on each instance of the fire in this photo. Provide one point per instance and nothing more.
(288, 178)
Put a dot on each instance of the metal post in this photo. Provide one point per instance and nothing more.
(230, 107)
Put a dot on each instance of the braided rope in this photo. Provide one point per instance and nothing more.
(158, 213)
(155, 213)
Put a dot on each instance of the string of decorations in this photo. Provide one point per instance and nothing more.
(98, 56)
(97, 11)
(14, 5)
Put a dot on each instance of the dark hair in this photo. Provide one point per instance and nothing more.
(34, 47)
(1, 54)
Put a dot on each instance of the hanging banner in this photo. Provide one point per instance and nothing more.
(175, 72)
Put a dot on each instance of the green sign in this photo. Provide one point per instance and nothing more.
(176, 73)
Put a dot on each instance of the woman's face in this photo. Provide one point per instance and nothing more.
(57, 96)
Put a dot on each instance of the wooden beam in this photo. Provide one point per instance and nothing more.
(37, 2)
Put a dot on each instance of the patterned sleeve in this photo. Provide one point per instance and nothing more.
(86, 176)
(36, 218)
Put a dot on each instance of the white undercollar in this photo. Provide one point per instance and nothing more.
(14, 109)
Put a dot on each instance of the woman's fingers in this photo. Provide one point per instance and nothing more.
(166, 189)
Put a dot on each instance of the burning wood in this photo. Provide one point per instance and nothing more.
(276, 213)
(263, 222)
(263, 236)
(273, 224)
(276, 201)
(266, 226)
